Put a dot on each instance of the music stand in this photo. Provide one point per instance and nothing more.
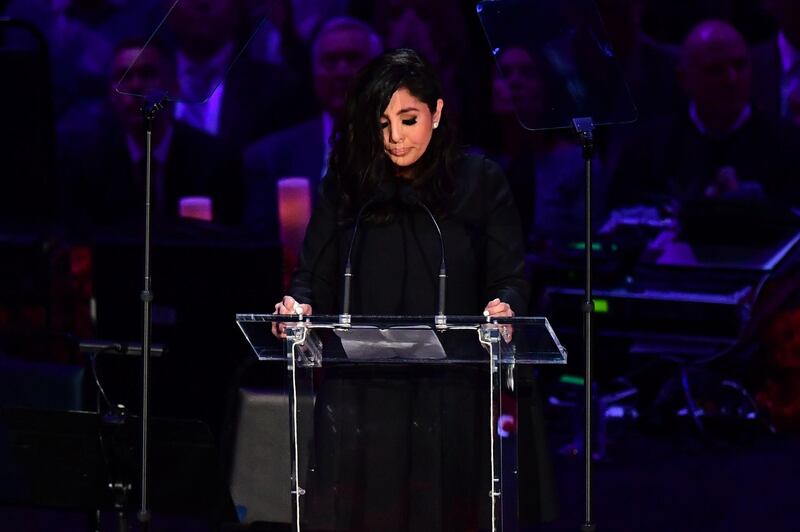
(155, 95)
(580, 86)
(68, 460)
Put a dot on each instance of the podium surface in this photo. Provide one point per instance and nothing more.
(405, 422)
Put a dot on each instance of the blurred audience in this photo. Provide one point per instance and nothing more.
(435, 30)
(776, 63)
(82, 34)
(311, 14)
(342, 46)
(671, 21)
(275, 39)
(239, 105)
(648, 67)
(545, 168)
(719, 147)
(102, 158)
(275, 107)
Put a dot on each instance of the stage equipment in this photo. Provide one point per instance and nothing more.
(156, 94)
(580, 86)
(87, 461)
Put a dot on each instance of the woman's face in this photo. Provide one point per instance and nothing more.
(408, 125)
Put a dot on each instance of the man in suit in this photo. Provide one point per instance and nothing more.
(720, 147)
(240, 105)
(776, 63)
(101, 159)
(342, 46)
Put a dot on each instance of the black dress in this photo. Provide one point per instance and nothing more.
(420, 425)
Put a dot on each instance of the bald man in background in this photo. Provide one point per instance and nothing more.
(719, 147)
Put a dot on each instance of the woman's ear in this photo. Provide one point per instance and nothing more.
(437, 115)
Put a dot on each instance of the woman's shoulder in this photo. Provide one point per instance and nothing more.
(480, 170)
(477, 165)
(480, 184)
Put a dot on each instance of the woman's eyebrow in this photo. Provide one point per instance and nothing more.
(401, 111)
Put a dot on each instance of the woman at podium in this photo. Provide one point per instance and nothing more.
(394, 158)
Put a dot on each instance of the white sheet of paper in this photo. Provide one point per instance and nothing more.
(372, 343)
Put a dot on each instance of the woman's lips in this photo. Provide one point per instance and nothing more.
(400, 152)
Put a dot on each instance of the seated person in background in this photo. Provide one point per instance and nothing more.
(720, 147)
(545, 168)
(250, 100)
(102, 159)
(342, 47)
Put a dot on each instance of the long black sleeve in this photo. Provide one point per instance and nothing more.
(316, 281)
(505, 249)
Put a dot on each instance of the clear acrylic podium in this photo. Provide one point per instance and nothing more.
(400, 386)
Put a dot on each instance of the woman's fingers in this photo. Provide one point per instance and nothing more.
(496, 307)
(288, 305)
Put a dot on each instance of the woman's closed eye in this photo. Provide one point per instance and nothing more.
(406, 122)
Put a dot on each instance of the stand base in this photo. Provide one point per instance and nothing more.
(588, 527)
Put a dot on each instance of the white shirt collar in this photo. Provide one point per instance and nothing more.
(790, 55)
(744, 116)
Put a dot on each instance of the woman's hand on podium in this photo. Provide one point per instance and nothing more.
(288, 305)
(500, 309)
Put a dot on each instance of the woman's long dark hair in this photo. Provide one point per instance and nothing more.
(359, 166)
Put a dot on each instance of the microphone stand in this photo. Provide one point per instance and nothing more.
(584, 127)
(152, 106)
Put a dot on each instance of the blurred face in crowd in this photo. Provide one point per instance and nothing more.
(407, 124)
(338, 55)
(517, 87)
(204, 26)
(151, 72)
(716, 72)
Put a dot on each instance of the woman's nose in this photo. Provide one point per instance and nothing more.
(395, 135)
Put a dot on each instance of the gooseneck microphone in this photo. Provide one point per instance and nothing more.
(385, 192)
(409, 197)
